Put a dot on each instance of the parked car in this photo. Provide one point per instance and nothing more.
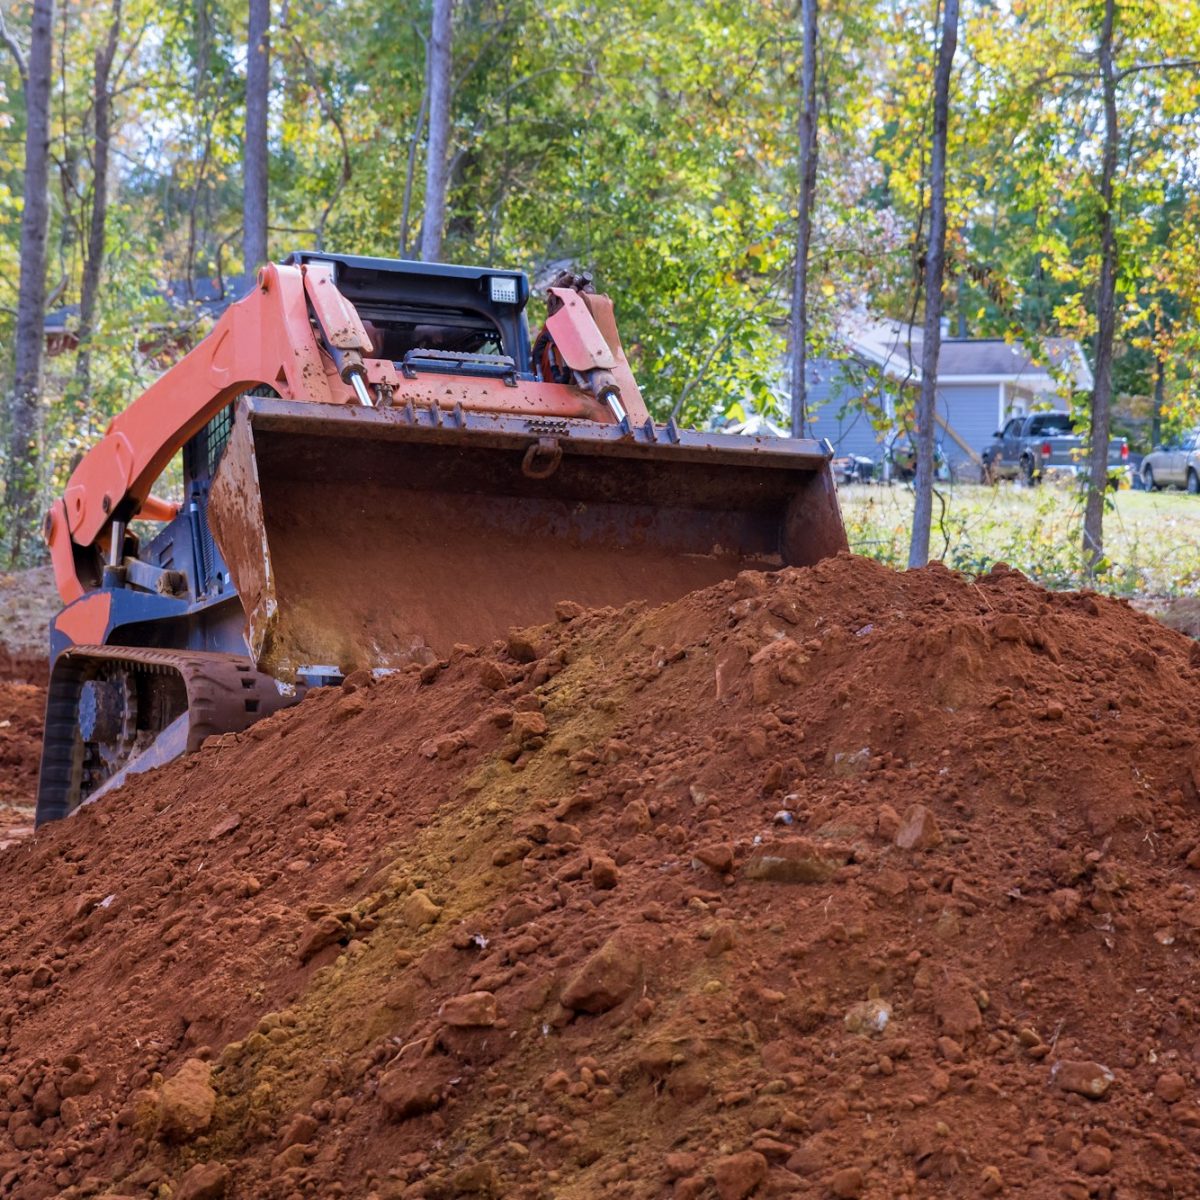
(1178, 463)
(1031, 447)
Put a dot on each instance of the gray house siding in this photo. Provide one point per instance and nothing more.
(972, 411)
(836, 413)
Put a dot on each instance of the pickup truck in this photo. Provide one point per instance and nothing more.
(1042, 443)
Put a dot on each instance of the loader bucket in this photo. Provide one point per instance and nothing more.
(377, 537)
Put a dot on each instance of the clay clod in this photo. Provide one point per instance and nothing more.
(794, 860)
(1090, 1079)
(205, 1181)
(606, 979)
(187, 1102)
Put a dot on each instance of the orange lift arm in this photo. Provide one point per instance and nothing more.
(266, 337)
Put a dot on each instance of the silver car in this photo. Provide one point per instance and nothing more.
(1178, 463)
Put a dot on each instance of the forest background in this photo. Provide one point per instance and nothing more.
(652, 143)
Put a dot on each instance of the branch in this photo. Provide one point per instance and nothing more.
(14, 48)
(1172, 65)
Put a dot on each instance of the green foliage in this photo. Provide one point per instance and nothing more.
(651, 142)
(1151, 546)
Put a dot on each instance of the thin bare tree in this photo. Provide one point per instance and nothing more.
(1106, 306)
(25, 396)
(93, 259)
(440, 65)
(808, 187)
(935, 270)
(254, 177)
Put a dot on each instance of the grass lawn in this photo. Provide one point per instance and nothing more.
(1152, 539)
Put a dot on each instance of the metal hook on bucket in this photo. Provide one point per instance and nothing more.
(541, 459)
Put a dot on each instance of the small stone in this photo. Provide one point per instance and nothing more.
(204, 1181)
(492, 677)
(718, 856)
(949, 1049)
(991, 1182)
(887, 822)
(474, 1010)
(522, 647)
(868, 1016)
(722, 937)
(511, 852)
(604, 873)
(919, 830)
(1094, 1160)
(848, 1183)
(527, 727)
(1090, 1079)
(475, 1179)
(635, 818)
(794, 860)
(302, 1130)
(46, 1101)
(605, 979)
(418, 909)
(957, 1010)
(1193, 858)
(680, 1164)
(325, 932)
(568, 610)
(188, 1101)
(224, 826)
(1170, 1087)
(737, 1175)
(406, 1093)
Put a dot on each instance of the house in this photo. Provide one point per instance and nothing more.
(981, 383)
(208, 297)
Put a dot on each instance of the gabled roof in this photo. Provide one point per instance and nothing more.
(895, 346)
(210, 296)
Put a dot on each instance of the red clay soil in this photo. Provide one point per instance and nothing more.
(837, 882)
(22, 705)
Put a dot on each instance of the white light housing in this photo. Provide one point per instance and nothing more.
(502, 289)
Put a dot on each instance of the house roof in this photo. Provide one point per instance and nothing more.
(210, 296)
(895, 346)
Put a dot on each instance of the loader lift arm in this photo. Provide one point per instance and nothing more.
(297, 334)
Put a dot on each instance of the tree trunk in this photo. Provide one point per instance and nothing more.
(413, 142)
(1160, 387)
(93, 263)
(24, 400)
(935, 264)
(433, 223)
(1106, 314)
(258, 87)
(808, 186)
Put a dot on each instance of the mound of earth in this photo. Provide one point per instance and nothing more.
(833, 882)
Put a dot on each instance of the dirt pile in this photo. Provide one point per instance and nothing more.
(839, 882)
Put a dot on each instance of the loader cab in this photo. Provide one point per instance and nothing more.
(450, 319)
(432, 316)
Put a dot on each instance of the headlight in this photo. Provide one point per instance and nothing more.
(502, 289)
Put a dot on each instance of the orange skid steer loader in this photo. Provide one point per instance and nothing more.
(378, 464)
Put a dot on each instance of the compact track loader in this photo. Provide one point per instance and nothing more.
(377, 464)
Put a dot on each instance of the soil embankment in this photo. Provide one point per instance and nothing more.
(838, 882)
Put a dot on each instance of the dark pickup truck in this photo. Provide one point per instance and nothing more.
(1031, 447)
